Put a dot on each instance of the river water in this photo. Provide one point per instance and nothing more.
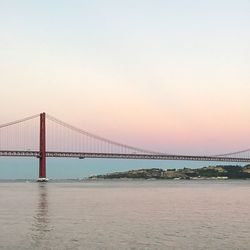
(125, 215)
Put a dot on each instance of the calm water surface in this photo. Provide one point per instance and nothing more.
(125, 215)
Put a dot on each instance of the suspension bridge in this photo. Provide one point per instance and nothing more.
(43, 136)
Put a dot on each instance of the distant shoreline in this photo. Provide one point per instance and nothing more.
(218, 172)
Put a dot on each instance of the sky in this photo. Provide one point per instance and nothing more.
(170, 76)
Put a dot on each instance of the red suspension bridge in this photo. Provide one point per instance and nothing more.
(44, 136)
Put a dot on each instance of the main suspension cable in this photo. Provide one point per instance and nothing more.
(19, 121)
(64, 124)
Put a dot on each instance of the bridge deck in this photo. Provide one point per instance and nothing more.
(82, 155)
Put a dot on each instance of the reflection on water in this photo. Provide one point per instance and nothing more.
(183, 215)
(41, 227)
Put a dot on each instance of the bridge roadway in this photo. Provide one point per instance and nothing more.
(83, 155)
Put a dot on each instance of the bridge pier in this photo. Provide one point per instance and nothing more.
(42, 158)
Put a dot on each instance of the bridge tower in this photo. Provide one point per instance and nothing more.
(42, 157)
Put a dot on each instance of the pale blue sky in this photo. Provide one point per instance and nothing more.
(163, 75)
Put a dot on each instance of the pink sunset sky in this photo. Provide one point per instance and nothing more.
(161, 75)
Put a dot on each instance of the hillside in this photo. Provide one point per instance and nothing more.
(211, 172)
